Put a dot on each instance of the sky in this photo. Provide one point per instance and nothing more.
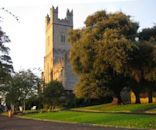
(27, 35)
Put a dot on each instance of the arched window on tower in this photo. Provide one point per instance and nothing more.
(63, 38)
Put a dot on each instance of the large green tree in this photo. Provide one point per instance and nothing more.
(103, 48)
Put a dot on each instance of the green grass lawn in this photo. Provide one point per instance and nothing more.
(118, 108)
(107, 119)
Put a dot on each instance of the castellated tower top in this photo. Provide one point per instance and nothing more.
(53, 17)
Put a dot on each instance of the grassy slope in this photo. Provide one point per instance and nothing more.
(118, 108)
(116, 120)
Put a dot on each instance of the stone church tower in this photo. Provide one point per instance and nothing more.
(56, 60)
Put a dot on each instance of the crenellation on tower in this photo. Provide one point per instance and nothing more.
(47, 19)
(53, 17)
(69, 16)
(53, 14)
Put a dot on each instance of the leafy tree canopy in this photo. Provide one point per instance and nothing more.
(52, 93)
(103, 49)
(23, 85)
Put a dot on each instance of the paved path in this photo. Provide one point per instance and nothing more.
(26, 124)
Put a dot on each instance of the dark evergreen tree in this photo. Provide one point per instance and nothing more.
(6, 67)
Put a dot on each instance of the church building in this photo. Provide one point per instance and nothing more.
(56, 60)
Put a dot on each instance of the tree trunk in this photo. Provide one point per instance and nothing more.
(12, 108)
(137, 98)
(50, 108)
(150, 96)
(136, 91)
(119, 99)
(24, 106)
(53, 107)
(115, 100)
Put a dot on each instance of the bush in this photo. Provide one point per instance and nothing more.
(34, 101)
